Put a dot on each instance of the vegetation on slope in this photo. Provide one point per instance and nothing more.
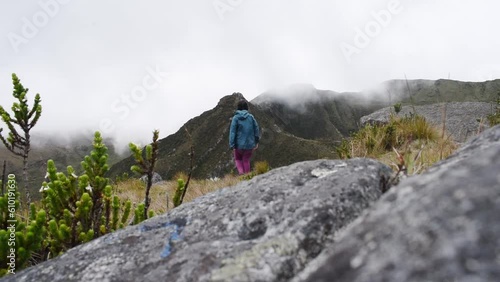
(162, 193)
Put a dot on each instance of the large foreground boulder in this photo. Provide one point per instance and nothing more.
(266, 229)
(443, 225)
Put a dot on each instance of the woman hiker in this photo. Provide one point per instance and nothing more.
(243, 137)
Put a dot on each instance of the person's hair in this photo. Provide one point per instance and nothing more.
(242, 105)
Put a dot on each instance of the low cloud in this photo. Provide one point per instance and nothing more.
(89, 55)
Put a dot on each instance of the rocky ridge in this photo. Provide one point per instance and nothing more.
(463, 120)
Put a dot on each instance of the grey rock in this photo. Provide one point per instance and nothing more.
(443, 225)
(265, 229)
(461, 117)
(156, 178)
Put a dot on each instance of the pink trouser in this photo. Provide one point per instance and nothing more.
(242, 160)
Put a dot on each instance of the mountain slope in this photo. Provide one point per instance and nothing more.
(210, 135)
(315, 114)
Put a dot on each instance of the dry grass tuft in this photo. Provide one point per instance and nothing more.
(261, 167)
(162, 193)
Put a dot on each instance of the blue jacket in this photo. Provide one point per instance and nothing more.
(244, 131)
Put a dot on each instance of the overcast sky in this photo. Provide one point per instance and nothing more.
(127, 67)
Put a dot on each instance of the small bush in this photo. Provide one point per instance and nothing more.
(397, 108)
(179, 191)
(247, 176)
(261, 167)
(494, 118)
(344, 149)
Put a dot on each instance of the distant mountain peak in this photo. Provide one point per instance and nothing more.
(231, 100)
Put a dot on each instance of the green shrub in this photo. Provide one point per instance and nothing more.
(139, 213)
(178, 192)
(397, 108)
(23, 237)
(81, 208)
(145, 166)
